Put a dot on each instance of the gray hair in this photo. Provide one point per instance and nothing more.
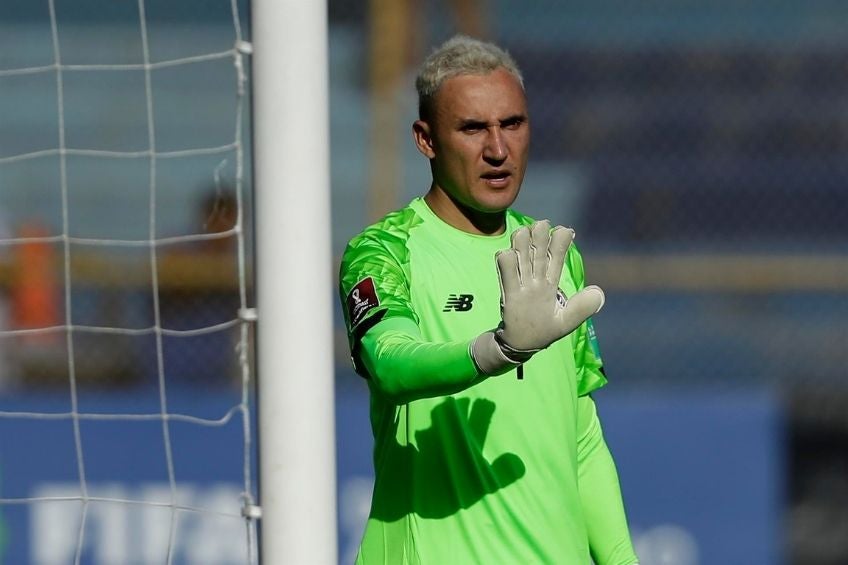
(460, 55)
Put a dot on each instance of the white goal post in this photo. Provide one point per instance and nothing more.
(294, 284)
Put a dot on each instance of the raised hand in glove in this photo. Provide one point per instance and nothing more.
(535, 313)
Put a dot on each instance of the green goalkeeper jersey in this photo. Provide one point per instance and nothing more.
(483, 472)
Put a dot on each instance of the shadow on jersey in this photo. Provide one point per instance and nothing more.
(447, 469)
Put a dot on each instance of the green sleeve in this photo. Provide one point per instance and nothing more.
(404, 367)
(600, 493)
(587, 353)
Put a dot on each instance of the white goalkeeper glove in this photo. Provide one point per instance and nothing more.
(535, 313)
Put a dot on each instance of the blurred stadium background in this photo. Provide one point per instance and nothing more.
(700, 149)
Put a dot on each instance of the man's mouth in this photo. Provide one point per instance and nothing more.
(496, 178)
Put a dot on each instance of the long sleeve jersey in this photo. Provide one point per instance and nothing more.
(470, 469)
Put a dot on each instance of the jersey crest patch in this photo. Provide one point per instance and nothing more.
(361, 299)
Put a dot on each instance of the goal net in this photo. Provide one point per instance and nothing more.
(126, 394)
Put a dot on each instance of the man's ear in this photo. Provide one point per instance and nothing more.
(422, 134)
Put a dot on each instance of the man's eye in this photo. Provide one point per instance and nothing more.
(512, 124)
(472, 128)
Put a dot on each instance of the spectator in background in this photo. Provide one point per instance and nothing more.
(8, 372)
(200, 291)
(218, 214)
(35, 303)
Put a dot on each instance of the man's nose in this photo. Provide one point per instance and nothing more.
(495, 149)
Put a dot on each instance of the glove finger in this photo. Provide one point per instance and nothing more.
(480, 419)
(521, 245)
(598, 291)
(540, 238)
(507, 262)
(561, 239)
(579, 307)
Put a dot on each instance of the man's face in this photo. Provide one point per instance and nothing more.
(478, 140)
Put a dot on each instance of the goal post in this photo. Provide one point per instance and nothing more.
(294, 282)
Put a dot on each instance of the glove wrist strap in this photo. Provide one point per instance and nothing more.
(488, 356)
(517, 356)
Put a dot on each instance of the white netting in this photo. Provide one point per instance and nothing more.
(89, 513)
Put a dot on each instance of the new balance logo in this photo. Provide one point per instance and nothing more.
(459, 303)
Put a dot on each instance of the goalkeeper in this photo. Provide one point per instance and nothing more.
(471, 324)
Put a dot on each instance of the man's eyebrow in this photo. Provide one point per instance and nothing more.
(466, 122)
(514, 118)
(476, 122)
